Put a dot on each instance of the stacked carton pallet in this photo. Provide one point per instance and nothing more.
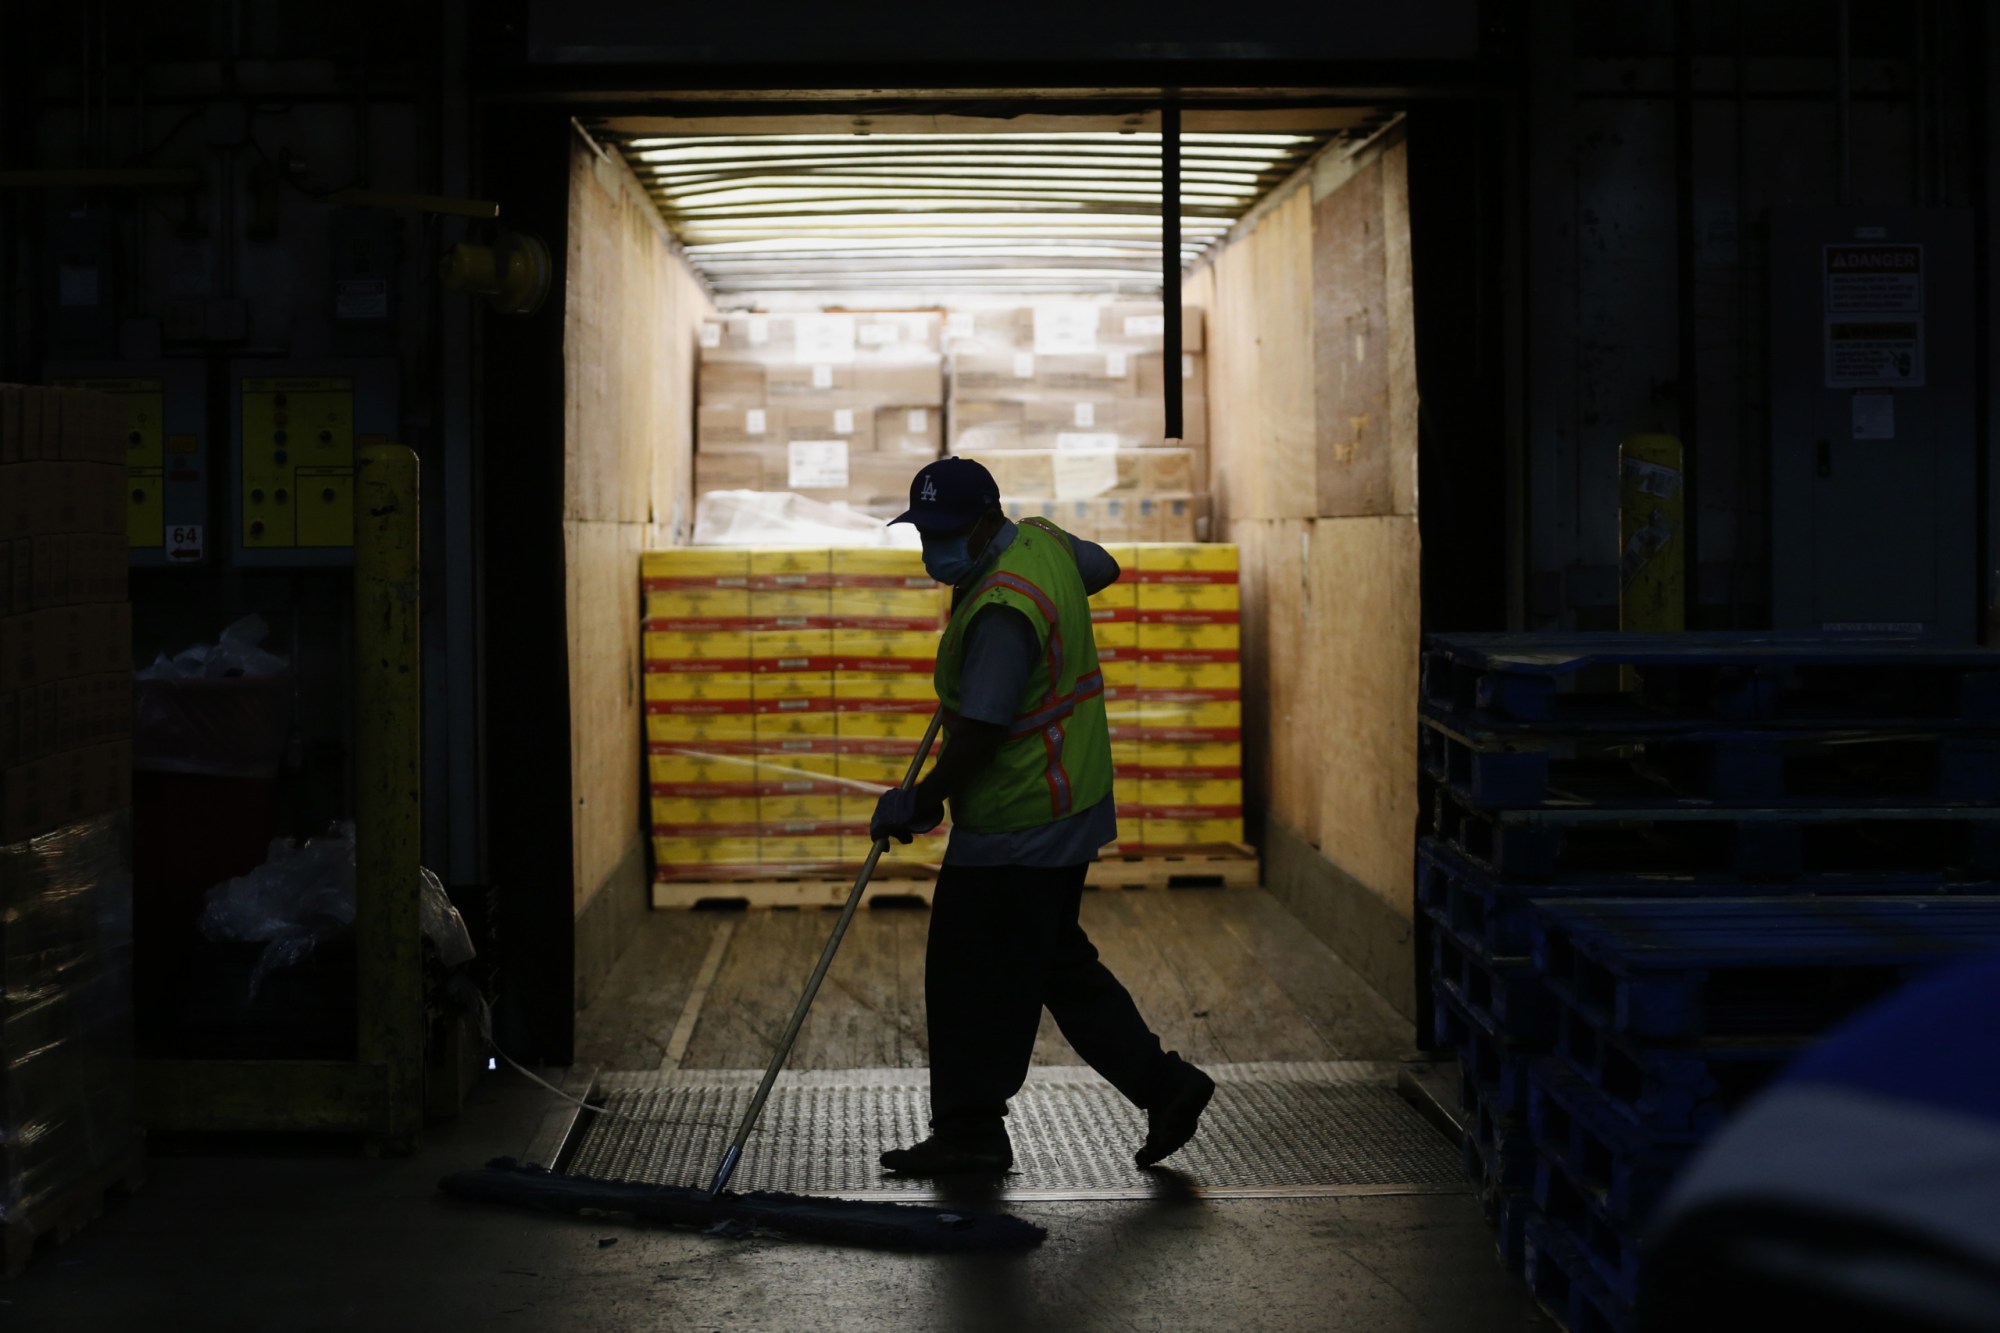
(784, 690)
(1169, 638)
(67, 1131)
(1064, 403)
(836, 407)
(1643, 901)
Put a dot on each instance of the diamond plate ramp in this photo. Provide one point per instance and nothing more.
(1273, 1130)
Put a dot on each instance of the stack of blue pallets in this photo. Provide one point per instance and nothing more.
(1607, 807)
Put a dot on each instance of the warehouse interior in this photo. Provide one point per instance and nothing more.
(1522, 563)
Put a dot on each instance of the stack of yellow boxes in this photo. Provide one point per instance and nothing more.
(1168, 634)
(784, 690)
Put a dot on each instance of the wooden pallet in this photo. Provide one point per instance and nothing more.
(1205, 868)
(69, 1211)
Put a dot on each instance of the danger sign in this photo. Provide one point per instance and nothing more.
(1874, 316)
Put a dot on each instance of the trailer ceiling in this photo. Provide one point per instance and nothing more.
(960, 209)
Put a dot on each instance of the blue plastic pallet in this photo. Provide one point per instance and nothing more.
(1709, 768)
(1491, 1065)
(1565, 1285)
(1570, 1210)
(1574, 842)
(1684, 969)
(1571, 679)
(1498, 913)
(1507, 1212)
(1629, 1169)
(1509, 991)
(1681, 1088)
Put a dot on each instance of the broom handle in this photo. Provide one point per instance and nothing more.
(735, 1153)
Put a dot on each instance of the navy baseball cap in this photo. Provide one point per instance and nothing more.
(949, 495)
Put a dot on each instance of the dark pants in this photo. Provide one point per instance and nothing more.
(1004, 943)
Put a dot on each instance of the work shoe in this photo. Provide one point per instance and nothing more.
(950, 1157)
(1172, 1123)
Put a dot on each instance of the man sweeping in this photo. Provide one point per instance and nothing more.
(1026, 768)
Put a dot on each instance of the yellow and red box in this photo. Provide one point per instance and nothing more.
(1187, 562)
(704, 816)
(1190, 682)
(802, 850)
(1190, 602)
(885, 652)
(778, 651)
(690, 567)
(1188, 759)
(712, 652)
(684, 858)
(1212, 721)
(676, 769)
(1168, 834)
(1189, 643)
(779, 570)
(699, 609)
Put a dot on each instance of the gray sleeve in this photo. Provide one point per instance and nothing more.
(1095, 564)
(1000, 650)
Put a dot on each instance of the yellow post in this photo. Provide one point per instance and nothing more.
(389, 786)
(1652, 583)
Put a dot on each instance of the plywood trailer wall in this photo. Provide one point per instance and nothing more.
(1313, 421)
(630, 323)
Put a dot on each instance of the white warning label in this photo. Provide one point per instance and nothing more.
(1874, 311)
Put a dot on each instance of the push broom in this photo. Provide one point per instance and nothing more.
(898, 1226)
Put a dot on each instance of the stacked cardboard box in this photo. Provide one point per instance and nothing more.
(1168, 635)
(1063, 402)
(785, 689)
(840, 407)
(66, 1118)
(65, 624)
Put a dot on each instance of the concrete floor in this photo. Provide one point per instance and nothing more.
(335, 1242)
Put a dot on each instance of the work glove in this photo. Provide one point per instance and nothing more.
(897, 816)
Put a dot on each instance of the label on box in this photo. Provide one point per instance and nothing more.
(1114, 366)
(824, 338)
(1080, 474)
(958, 324)
(1065, 326)
(1086, 415)
(1145, 326)
(1086, 442)
(711, 334)
(1024, 365)
(753, 421)
(818, 465)
(878, 334)
(919, 421)
(760, 330)
(184, 543)
(822, 377)
(843, 421)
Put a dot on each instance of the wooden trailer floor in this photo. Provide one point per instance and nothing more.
(336, 1242)
(1223, 975)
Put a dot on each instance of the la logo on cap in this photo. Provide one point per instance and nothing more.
(929, 491)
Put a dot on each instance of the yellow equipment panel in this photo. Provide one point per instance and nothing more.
(298, 462)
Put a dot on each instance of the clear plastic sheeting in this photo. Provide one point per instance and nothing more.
(305, 893)
(782, 518)
(66, 1056)
(219, 710)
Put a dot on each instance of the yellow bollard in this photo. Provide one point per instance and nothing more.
(389, 786)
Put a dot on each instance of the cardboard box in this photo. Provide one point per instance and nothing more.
(1188, 760)
(683, 854)
(796, 811)
(727, 816)
(1163, 833)
(672, 767)
(736, 427)
(732, 384)
(697, 608)
(888, 608)
(1204, 642)
(1217, 720)
(695, 566)
(807, 650)
(705, 653)
(913, 432)
(1190, 680)
(719, 733)
(854, 425)
(805, 849)
(1182, 558)
(1190, 602)
(45, 794)
(792, 693)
